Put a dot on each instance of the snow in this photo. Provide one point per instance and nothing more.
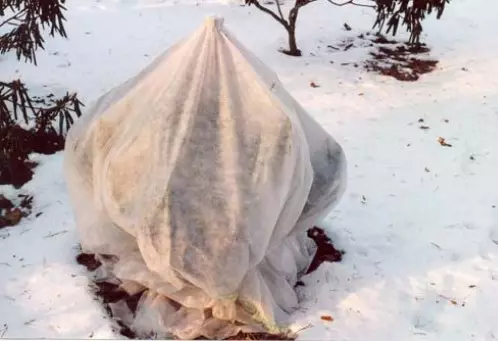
(419, 221)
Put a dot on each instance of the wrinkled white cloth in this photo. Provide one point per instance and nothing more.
(202, 175)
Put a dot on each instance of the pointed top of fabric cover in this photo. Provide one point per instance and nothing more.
(214, 20)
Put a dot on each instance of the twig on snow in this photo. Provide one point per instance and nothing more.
(303, 328)
(24, 231)
(55, 234)
(439, 247)
(4, 330)
(451, 300)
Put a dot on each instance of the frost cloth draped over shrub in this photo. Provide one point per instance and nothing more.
(202, 175)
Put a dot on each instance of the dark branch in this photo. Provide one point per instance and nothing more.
(280, 9)
(350, 2)
(268, 11)
(301, 3)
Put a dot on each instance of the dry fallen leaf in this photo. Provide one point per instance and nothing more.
(327, 318)
(443, 142)
(14, 216)
(314, 85)
(347, 47)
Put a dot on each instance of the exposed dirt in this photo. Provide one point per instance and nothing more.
(111, 293)
(392, 58)
(400, 60)
(326, 251)
(15, 167)
(5, 204)
(407, 70)
(89, 261)
(16, 173)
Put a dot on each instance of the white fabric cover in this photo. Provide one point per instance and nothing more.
(202, 175)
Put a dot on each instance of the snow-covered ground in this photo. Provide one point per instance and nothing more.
(419, 221)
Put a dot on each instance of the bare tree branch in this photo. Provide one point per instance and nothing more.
(280, 9)
(268, 11)
(350, 2)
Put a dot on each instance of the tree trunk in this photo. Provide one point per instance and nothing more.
(291, 31)
(293, 50)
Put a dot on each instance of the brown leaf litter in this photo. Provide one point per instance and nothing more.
(10, 214)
